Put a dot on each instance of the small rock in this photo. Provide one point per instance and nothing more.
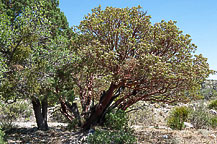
(151, 127)
(188, 125)
(213, 136)
(165, 136)
(204, 103)
(164, 127)
(156, 105)
(91, 131)
(137, 127)
(212, 111)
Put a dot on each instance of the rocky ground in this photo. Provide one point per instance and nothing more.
(149, 125)
(168, 136)
(55, 135)
(151, 135)
(151, 128)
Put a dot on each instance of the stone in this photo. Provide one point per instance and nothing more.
(164, 127)
(91, 131)
(188, 125)
(151, 127)
(212, 111)
(213, 136)
(165, 136)
(136, 127)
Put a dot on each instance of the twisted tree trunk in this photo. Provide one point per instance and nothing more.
(98, 110)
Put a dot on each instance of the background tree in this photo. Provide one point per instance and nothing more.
(34, 43)
(124, 58)
(50, 8)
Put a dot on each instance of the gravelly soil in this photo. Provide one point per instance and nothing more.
(55, 135)
(58, 135)
(166, 136)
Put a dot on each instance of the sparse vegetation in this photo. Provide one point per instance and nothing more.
(213, 121)
(201, 118)
(2, 141)
(57, 116)
(116, 131)
(116, 120)
(72, 125)
(213, 105)
(178, 116)
(142, 115)
(11, 112)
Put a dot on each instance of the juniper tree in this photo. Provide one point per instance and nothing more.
(34, 42)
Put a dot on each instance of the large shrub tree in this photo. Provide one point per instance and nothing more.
(124, 58)
(34, 42)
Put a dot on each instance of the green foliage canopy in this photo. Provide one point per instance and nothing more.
(151, 62)
(30, 50)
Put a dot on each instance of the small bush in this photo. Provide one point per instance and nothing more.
(112, 137)
(116, 120)
(213, 105)
(73, 124)
(57, 116)
(201, 118)
(177, 117)
(11, 112)
(208, 93)
(2, 137)
(117, 130)
(213, 121)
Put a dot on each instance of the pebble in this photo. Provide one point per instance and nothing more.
(164, 127)
(188, 125)
(151, 127)
(213, 136)
(165, 136)
(136, 127)
(212, 111)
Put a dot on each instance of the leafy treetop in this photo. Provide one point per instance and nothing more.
(148, 62)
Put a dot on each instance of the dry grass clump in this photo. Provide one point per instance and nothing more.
(201, 118)
(141, 114)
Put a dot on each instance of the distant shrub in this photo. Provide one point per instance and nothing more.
(11, 112)
(177, 117)
(201, 118)
(213, 105)
(208, 90)
(116, 119)
(111, 137)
